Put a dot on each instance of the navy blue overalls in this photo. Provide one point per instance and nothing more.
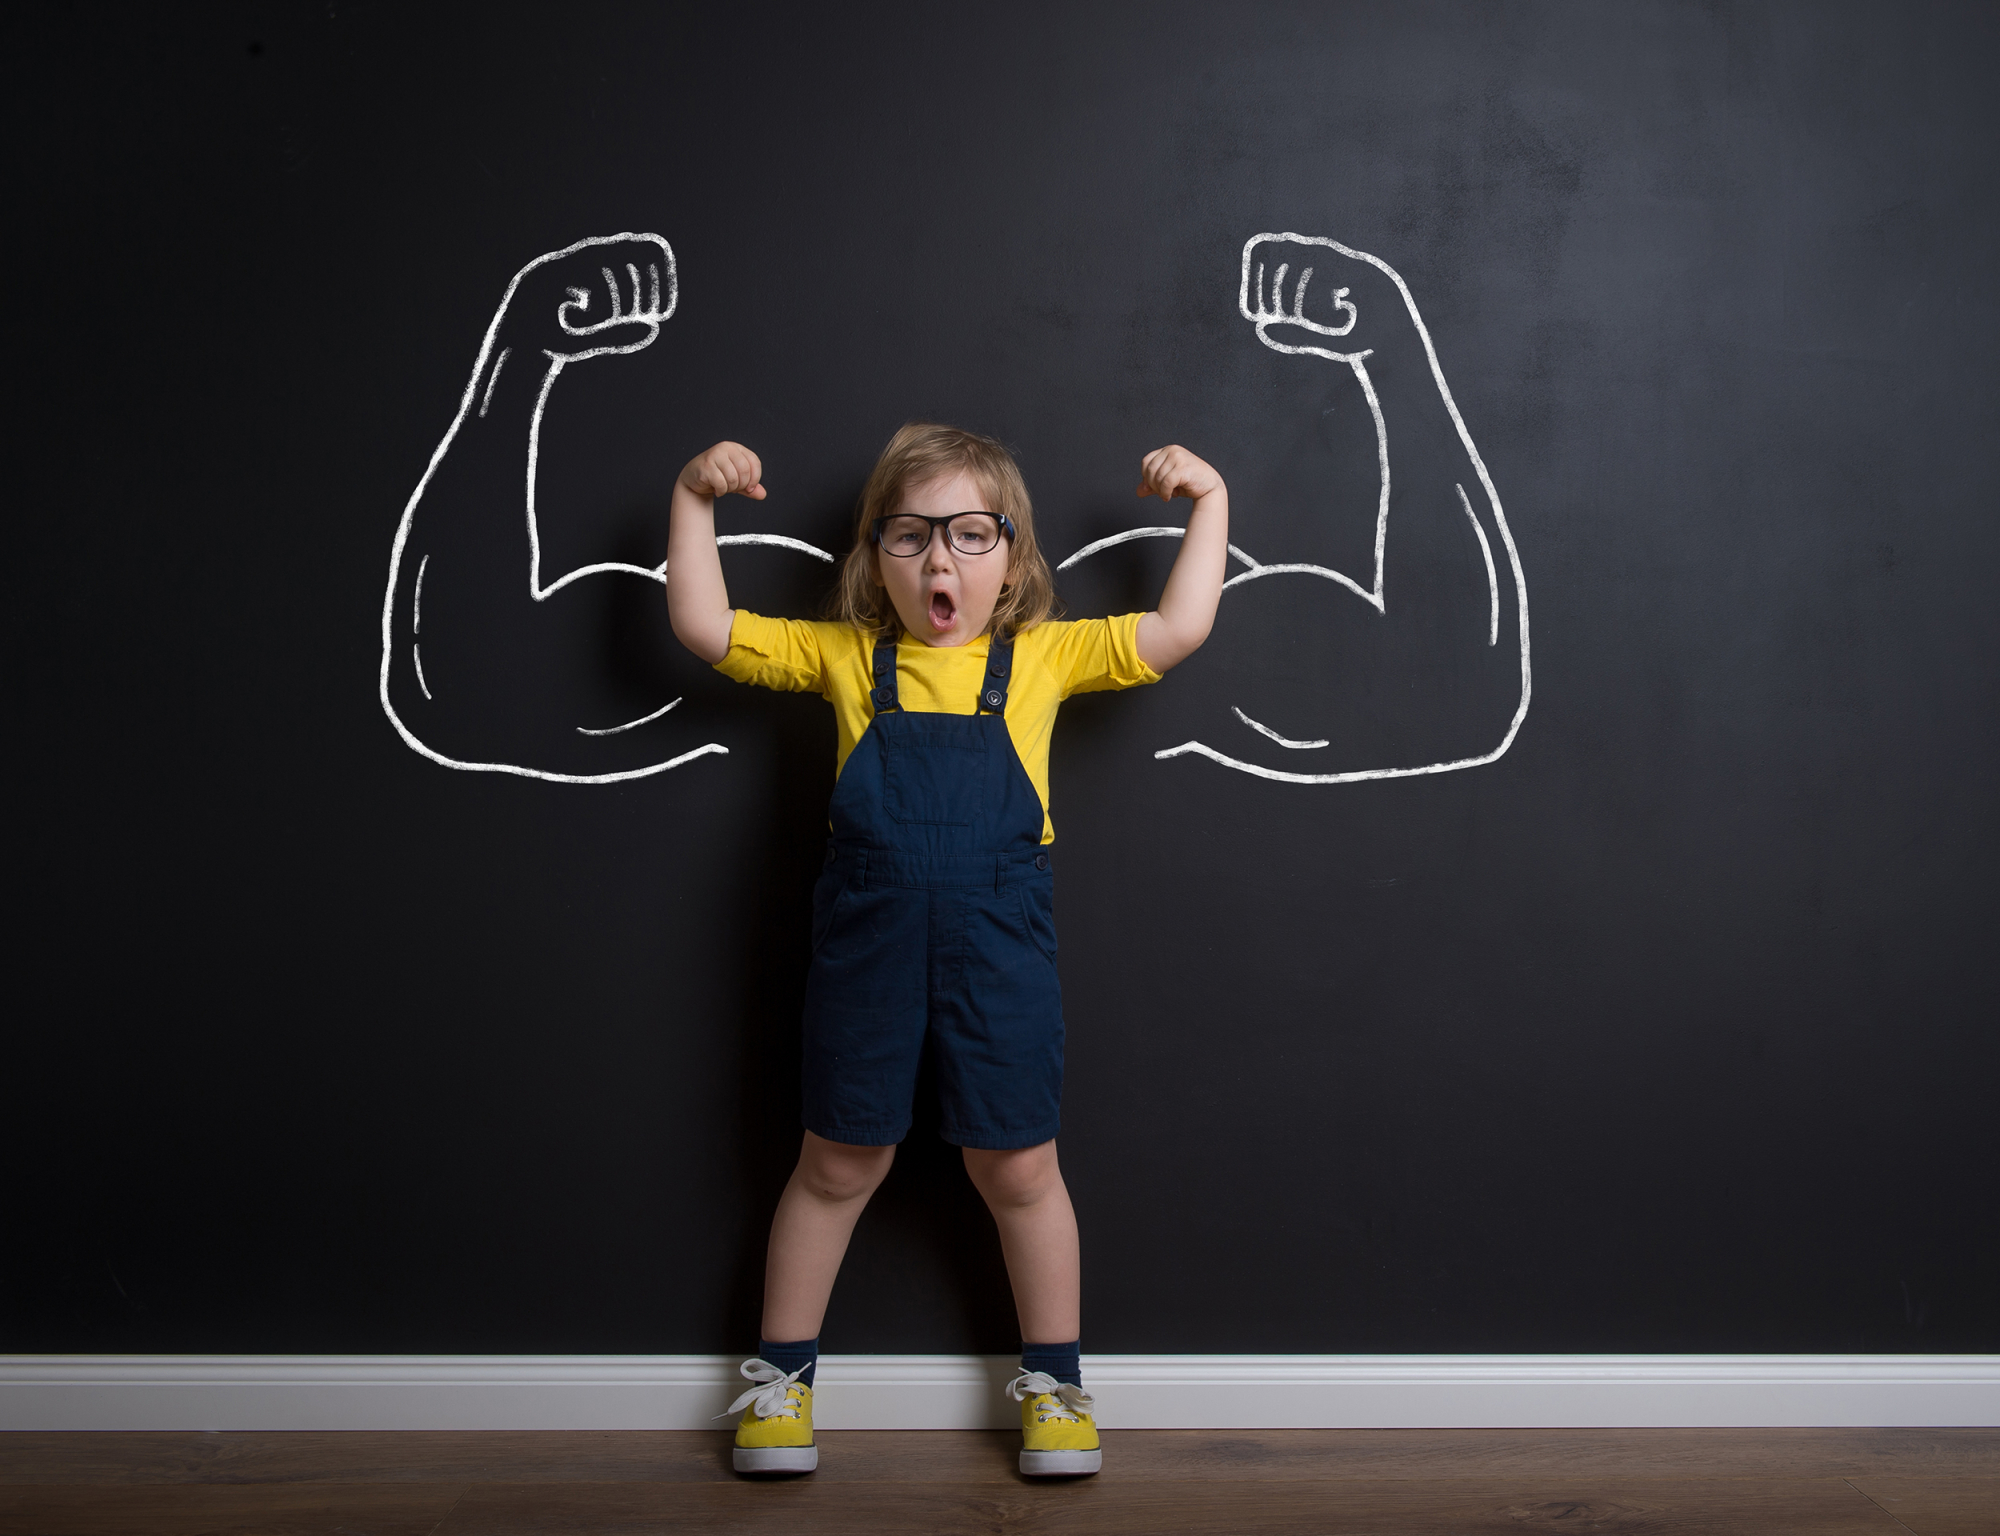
(935, 919)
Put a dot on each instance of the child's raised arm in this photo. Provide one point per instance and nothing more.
(1176, 630)
(697, 597)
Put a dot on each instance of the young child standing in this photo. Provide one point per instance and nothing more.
(934, 920)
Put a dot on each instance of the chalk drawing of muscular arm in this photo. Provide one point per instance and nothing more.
(1412, 659)
(481, 664)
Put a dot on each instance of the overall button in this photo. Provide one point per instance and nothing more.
(883, 697)
(994, 698)
(1041, 861)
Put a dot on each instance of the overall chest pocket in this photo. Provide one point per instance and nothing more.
(933, 781)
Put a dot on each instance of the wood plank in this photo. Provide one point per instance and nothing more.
(1500, 1453)
(364, 1456)
(982, 1456)
(1938, 1506)
(1107, 1506)
(210, 1509)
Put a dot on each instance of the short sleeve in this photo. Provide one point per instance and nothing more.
(785, 654)
(1096, 654)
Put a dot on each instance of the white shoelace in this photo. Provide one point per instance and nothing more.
(1070, 1404)
(772, 1394)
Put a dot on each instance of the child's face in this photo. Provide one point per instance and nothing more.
(944, 597)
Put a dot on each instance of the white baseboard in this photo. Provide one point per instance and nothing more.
(410, 1392)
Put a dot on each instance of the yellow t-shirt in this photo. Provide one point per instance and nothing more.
(1051, 661)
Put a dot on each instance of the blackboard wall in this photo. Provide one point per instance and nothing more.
(1671, 1030)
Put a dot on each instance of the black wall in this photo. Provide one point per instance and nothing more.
(1672, 1029)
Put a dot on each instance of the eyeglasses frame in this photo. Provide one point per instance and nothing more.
(944, 522)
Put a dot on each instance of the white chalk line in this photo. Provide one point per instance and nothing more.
(417, 624)
(629, 725)
(775, 540)
(1143, 533)
(1277, 314)
(1378, 597)
(494, 378)
(1283, 741)
(641, 313)
(430, 470)
(1492, 579)
(659, 572)
(1263, 317)
(1305, 570)
(1356, 776)
(1256, 567)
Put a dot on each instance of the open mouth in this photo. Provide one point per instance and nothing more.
(944, 612)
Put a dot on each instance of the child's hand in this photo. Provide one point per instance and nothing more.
(725, 469)
(1173, 471)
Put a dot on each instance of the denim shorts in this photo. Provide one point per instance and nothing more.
(956, 955)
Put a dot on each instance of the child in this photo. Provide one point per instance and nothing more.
(934, 917)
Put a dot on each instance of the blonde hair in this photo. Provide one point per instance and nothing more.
(922, 451)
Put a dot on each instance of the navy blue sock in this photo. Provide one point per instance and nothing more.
(789, 1357)
(1062, 1361)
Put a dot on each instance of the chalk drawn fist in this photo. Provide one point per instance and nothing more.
(1294, 293)
(601, 296)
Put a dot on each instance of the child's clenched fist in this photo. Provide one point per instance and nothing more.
(726, 469)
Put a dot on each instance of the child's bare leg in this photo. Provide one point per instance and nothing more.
(809, 1233)
(1030, 1203)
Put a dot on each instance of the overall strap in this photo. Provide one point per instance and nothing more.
(999, 663)
(883, 695)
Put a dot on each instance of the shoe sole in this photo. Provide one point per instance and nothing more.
(791, 1459)
(1060, 1463)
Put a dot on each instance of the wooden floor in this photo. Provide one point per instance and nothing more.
(1929, 1482)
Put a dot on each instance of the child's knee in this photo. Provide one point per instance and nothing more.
(832, 1170)
(1017, 1177)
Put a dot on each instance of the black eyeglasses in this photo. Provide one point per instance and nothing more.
(908, 534)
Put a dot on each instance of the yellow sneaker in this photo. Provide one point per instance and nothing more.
(775, 1433)
(1058, 1435)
